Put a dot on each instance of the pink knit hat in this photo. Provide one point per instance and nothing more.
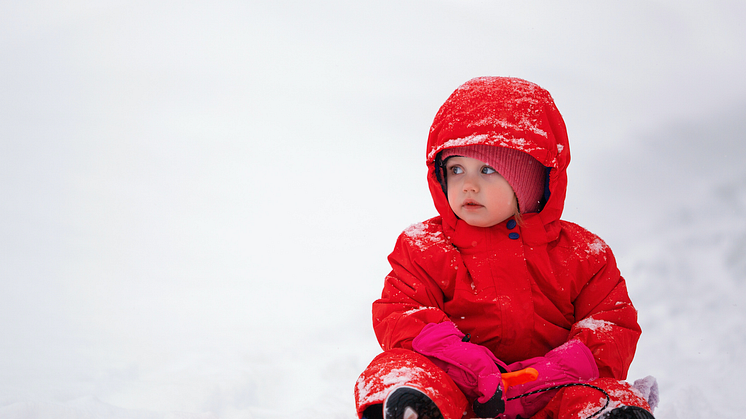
(523, 172)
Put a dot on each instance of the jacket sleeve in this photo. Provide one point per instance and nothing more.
(410, 299)
(606, 320)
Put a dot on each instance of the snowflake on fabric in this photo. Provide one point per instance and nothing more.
(597, 246)
(589, 245)
(404, 372)
(492, 139)
(416, 310)
(425, 236)
(398, 376)
(595, 325)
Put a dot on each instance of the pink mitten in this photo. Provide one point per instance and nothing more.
(472, 367)
(571, 362)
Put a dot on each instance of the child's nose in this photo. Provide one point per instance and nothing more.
(470, 184)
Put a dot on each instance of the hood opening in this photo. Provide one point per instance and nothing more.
(440, 174)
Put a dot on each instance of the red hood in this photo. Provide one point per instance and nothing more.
(504, 112)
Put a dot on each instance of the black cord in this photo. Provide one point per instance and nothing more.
(608, 399)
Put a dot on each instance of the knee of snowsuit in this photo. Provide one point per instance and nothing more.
(401, 367)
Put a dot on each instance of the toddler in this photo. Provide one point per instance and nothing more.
(496, 307)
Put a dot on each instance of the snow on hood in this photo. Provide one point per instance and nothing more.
(503, 112)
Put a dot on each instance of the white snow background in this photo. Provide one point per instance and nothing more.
(197, 198)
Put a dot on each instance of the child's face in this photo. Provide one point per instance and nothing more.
(477, 193)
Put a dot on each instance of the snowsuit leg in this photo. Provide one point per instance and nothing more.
(582, 402)
(400, 367)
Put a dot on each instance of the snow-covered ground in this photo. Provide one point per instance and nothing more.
(197, 198)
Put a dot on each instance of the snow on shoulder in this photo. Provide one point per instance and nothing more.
(589, 245)
(425, 235)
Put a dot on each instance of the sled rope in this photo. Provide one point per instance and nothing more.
(608, 399)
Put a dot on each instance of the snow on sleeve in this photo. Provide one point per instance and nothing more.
(594, 325)
(415, 310)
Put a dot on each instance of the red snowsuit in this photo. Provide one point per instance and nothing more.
(518, 290)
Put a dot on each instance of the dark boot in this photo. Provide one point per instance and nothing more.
(410, 403)
(373, 412)
(628, 412)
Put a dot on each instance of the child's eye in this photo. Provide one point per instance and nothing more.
(456, 170)
(488, 170)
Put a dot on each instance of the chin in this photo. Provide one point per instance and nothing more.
(482, 224)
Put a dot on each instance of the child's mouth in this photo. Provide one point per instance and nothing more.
(472, 204)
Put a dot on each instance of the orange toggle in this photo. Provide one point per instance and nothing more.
(519, 377)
